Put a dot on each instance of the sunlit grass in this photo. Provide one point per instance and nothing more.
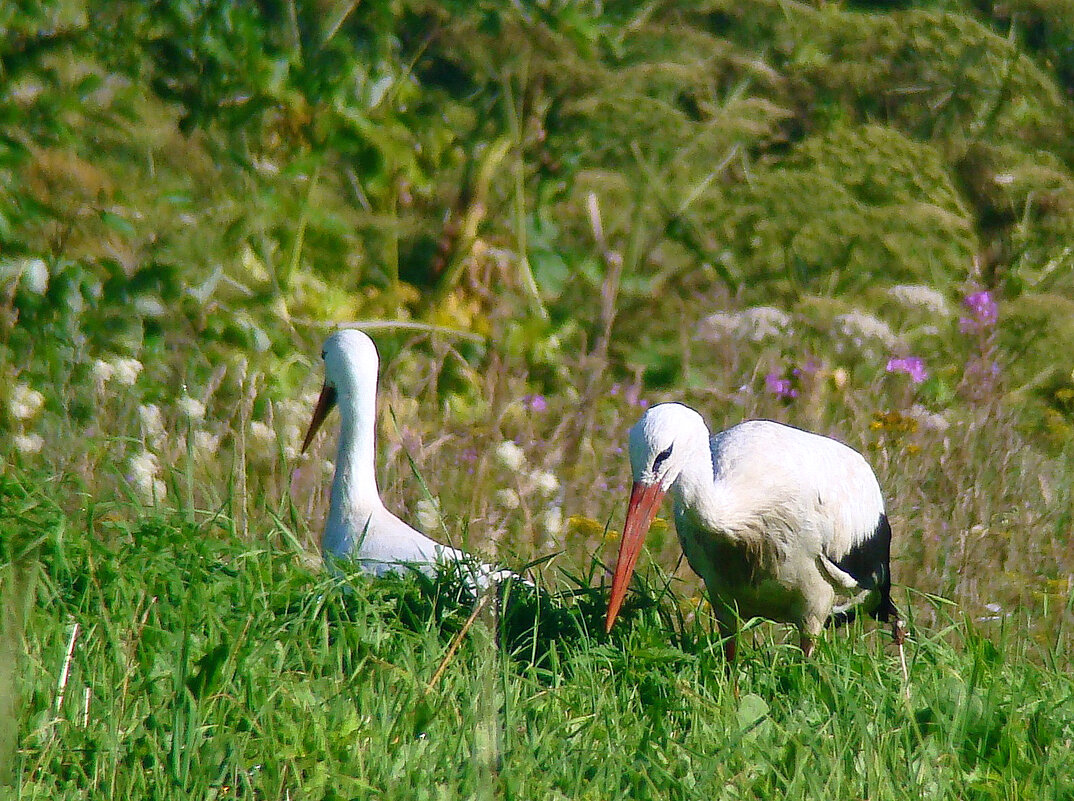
(200, 664)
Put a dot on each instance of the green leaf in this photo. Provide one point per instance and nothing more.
(117, 223)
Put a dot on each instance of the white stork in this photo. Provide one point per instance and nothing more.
(359, 526)
(778, 522)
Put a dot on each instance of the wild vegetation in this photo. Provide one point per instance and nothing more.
(852, 217)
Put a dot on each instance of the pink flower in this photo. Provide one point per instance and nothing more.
(913, 366)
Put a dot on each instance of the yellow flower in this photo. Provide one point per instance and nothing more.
(585, 526)
(893, 421)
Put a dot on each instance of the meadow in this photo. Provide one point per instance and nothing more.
(851, 217)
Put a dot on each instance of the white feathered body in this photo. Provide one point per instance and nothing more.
(780, 523)
(359, 527)
(377, 540)
(766, 529)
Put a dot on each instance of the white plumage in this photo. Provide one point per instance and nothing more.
(359, 526)
(778, 522)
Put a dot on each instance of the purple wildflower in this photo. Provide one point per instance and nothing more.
(809, 367)
(536, 403)
(779, 386)
(913, 366)
(632, 395)
(983, 310)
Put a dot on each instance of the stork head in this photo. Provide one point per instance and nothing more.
(662, 442)
(350, 369)
(666, 437)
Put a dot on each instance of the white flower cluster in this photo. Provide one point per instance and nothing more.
(544, 482)
(507, 498)
(293, 414)
(152, 424)
(28, 444)
(864, 331)
(513, 458)
(756, 324)
(930, 421)
(427, 510)
(205, 444)
(144, 477)
(552, 522)
(511, 455)
(920, 297)
(191, 407)
(262, 439)
(31, 274)
(122, 371)
(26, 402)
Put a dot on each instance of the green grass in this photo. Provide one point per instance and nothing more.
(205, 666)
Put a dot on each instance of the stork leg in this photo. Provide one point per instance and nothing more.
(730, 644)
(809, 628)
(729, 634)
(887, 613)
(727, 624)
(898, 634)
(729, 648)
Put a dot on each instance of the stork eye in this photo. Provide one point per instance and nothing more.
(660, 457)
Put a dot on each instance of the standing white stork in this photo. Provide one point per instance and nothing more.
(359, 526)
(778, 522)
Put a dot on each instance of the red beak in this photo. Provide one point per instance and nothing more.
(324, 405)
(644, 501)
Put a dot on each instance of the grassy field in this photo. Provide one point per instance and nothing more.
(165, 659)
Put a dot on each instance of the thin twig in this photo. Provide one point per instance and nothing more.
(491, 592)
(613, 265)
(595, 363)
(391, 325)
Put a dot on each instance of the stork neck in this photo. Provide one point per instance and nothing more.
(715, 503)
(695, 485)
(355, 484)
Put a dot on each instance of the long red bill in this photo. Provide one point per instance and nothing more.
(324, 405)
(644, 501)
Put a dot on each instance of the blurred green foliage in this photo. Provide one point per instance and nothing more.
(229, 173)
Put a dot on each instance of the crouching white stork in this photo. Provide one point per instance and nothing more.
(778, 522)
(359, 526)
